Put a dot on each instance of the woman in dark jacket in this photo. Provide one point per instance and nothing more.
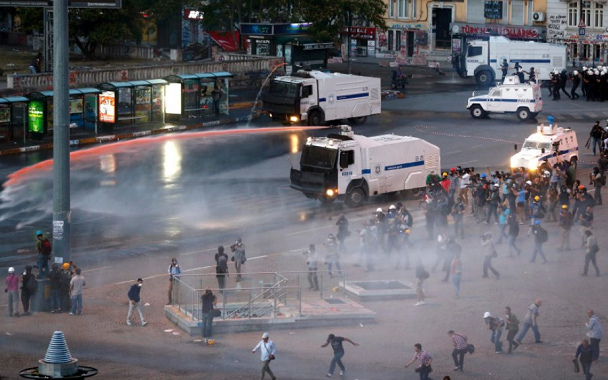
(26, 292)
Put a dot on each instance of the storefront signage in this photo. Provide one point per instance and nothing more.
(510, 31)
(407, 26)
(295, 28)
(361, 32)
(35, 116)
(256, 29)
(107, 107)
(492, 9)
(325, 45)
(191, 14)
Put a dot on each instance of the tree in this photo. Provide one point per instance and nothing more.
(329, 18)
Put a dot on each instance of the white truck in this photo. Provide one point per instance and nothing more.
(315, 97)
(525, 99)
(353, 167)
(546, 147)
(482, 58)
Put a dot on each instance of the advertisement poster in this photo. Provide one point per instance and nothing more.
(35, 116)
(5, 115)
(174, 99)
(76, 105)
(143, 104)
(107, 107)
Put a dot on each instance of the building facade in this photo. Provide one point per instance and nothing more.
(580, 25)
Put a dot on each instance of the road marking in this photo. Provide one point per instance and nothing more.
(95, 269)
(195, 252)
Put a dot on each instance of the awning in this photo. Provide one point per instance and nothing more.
(225, 40)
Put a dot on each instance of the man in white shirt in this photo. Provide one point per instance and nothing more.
(268, 351)
(465, 181)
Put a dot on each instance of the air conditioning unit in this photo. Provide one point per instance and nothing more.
(538, 16)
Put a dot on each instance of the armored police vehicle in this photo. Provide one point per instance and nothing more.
(354, 167)
(524, 99)
(549, 145)
(315, 97)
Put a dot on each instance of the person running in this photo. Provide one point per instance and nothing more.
(496, 325)
(460, 348)
(512, 328)
(489, 254)
(336, 344)
(584, 354)
(425, 362)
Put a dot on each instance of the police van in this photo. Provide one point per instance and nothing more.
(549, 145)
(525, 99)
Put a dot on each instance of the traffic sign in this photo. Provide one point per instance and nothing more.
(581, 24)
(581, 31)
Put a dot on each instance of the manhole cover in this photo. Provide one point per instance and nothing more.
(333, 301)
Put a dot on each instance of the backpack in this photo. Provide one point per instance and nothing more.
(222, 264)
(31, 284)
(46, 247)
(543, 235)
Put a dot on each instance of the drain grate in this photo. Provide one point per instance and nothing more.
(334, 301)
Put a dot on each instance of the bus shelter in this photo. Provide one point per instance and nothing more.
(13, 121)
(83, 110)
(135, 102)
(191, 95)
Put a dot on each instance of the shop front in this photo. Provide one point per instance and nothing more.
(362, 41)
(190, 95)
(401, 41)
(513, 32)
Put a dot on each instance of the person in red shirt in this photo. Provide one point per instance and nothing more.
(445, 182)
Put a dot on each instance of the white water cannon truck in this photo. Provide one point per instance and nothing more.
(316, 97)
(549, 145)
(353, 167)
(482, 58)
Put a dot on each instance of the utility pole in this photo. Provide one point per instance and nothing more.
(350, 24)
(61, 132)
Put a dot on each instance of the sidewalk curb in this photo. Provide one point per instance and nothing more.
(130, 135)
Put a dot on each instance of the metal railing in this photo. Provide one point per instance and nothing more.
(277, 294)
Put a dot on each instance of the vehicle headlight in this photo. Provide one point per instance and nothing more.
(294, 119)
(331, 192)
(270, 115)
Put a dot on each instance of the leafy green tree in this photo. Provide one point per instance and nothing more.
(329, 18)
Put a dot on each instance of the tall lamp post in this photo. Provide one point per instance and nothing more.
(350, 24)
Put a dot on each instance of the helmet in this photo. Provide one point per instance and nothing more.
(537, 222)
(581, 187)
(564, 207)
(379, 209)
(452, 169)
(65, 266)
(408, 231)
(575, 72)
(529, 183)
(211, 342)
(392, 207)
(483, 175)
(537, 198)
(445, 174)
(487, 314)
(38, 233)
(11, 270)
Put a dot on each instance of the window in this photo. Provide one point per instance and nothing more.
(586, 12)
(517, 12)
(391, 38)
(573, 14)
(403, 8)
(391, 9)
(598, 16)
(475, 11)
(413, 9)
(306, 91)
(473, 51)
(397, 40)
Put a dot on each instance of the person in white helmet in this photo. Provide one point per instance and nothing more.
(12, 289)
(496, 325)
(576, 81)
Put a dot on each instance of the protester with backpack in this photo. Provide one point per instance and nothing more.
(221, 267)
(28, 288)
(540, 236)
(43, 245)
